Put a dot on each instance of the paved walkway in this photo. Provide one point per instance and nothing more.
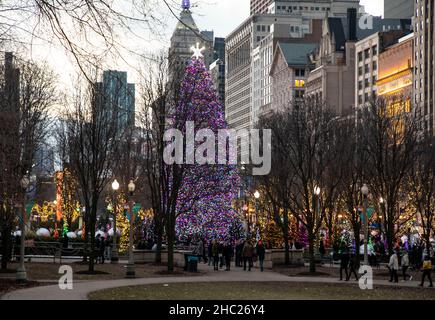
(83, 288)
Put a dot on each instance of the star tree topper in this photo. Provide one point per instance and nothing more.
(197, 51)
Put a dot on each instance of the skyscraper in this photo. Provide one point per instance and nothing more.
(424, 74)
(398, 9)
(117, 98)
(186, 35)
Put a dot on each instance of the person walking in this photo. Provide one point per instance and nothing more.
(427, 270)
(344, 260)
(405, 266)
(215, 255)
(210, 253)
(261, 254)
(322, 249)
(248, 253)
(352, 267)
(221, 254)
(393, 265)
(239, 249)
(228, 254)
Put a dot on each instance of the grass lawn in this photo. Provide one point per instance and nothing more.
(106, 271)
(259, 291)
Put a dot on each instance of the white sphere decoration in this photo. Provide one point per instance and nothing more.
(17, 233)
(99, 232)
(42, 232)
(71, 235)
(79, 233)
(118, 232)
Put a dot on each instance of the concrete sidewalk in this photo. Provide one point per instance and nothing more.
(83, 288)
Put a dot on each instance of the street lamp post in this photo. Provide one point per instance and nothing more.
(365, 192)
(130, 271)
(317, 196)
(257, 196)
(114, 257)
(21, 275)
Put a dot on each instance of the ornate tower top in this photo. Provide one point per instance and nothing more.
(185, 4)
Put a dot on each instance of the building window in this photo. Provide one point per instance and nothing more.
(360, 56)
(375, 50)
(299, 83)
(375, 66)
(366, 53)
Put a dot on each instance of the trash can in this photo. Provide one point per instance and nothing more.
(192, 264)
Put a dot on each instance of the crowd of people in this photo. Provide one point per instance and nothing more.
(404, 258)
(220, 254)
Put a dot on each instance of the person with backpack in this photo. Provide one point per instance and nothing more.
(248, 253)
(352, 267)
(427, 270)
(344, 260)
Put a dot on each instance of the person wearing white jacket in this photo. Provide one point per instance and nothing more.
(405, 266)
(393, 265)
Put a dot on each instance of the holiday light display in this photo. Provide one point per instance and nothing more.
(207, 191)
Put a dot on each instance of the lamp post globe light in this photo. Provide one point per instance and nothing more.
(365, 193)
(114, 256)
(130, 270)
(21, 275)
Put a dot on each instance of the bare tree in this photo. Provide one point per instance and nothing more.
(421, 184)
(390, 136)
(27, 94)
(89, 140)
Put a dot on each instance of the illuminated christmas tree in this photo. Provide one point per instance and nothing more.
(208, 190)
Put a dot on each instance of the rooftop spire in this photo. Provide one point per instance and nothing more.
(185, 4)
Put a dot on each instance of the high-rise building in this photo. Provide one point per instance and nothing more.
(187, 35)
(424, 75)
(219, 49)
(398, 9)
(217, 71)
(259, 6)
(116, 97)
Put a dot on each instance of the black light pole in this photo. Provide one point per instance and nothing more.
(130, 270)
(114, 257)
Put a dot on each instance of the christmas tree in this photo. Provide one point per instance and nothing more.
(207, 190)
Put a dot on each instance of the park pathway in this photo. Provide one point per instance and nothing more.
(81, 289)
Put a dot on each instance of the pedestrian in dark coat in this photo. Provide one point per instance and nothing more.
(344, 260)
(228, 254)
(248, 253)
(352, 267)
(261, 254)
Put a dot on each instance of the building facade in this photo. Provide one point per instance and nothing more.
(396, 75)
(337, 63)
(424, 76)
(259, 6)
(290, 68)
(398, 9)
(367, 53)
(217, 72)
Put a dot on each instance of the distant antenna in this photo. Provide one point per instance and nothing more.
(185, 4)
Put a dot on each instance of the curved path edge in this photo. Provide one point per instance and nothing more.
(81, 289)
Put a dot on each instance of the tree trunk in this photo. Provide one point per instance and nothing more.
(311, 240)
(171, 236)
(287, 248)
(159, 240)
(357, 245)
(6, 247)
(92, 220)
